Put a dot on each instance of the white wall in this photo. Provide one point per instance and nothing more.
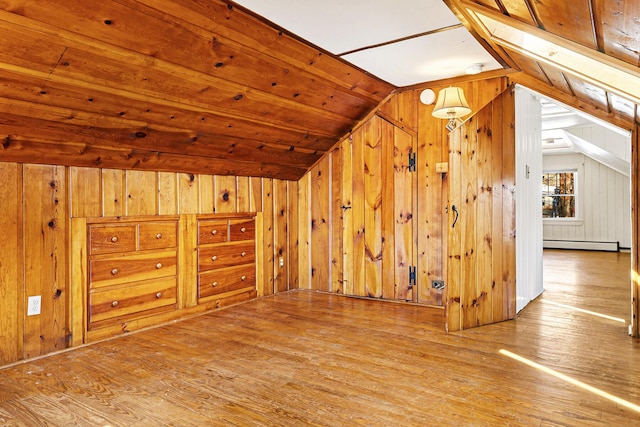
(528, 198)
(603, 206)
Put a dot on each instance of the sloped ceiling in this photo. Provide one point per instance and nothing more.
(199, 86)
(209, 86)
(604, 31)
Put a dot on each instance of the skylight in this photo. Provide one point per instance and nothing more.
(589, 65)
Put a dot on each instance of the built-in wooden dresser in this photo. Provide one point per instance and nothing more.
(226, 256)
(132, 270)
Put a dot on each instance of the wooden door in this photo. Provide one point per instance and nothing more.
(481, 212)
(401, 188)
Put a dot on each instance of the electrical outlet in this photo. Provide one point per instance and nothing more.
(281, 262)
(34, 305)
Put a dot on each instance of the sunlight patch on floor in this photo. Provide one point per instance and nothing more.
(572, 381)
(581, 310)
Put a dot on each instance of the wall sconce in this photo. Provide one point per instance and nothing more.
(451, 104)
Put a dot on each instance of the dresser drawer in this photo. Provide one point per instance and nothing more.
(242, 229)
(212, 231)
(158, 235)
(226, 279)
(111, 239)
(131, 268)
(225, 255)
(133, 300)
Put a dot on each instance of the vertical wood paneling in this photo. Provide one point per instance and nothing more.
(11, 264)
(244, 193)
(497, 241)
(358, 212)
(268, 236)
(260, 272)
(225, 194)
(432, 148)
(320, 231)
(41, 216)
(484, 237)
(304, 231)
(114, 192)
(77, 280)
(373, 205)
(408, 106)
(388, 226)
(167, 193)
(280, 237)
(141, 192)
(337, 220)
(188, 193)
(508, 207)
(404, 214)
(481, 247)
(603, 203)
(187, 262)
(255, 201)
(293, 239)
(45, 228)
(454, 245)
(85, 192)
(468, 208)
(346, 190)
(206, 193)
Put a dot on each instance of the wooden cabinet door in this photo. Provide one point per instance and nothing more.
(403, 203)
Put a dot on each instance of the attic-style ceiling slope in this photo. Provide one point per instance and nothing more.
(404, 42)
(605, 30)
(199, 86)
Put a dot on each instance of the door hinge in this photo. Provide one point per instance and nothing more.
(412, 161)
(412, 276)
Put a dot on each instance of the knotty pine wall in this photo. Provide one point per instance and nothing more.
(482, 245)
(356, 250)
(38, 202)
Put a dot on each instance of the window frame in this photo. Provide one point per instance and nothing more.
(577, 219)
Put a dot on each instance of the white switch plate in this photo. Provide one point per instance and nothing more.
(34, 305)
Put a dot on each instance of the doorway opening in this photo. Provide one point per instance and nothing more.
(583, 203)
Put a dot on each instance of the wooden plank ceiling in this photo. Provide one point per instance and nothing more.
(199, 87)
(206, 86)
(609, 27)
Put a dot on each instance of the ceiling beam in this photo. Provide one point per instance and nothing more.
(572, 101)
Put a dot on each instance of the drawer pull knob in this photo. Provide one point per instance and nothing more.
(243, 229)
(159, 294)
(159, 236)
(243, 278)
(115, 271)
(243, 254)
(214, 284)
(114, 239)
(159, 265)
(214, 232)
(213, 258)
(115, 303)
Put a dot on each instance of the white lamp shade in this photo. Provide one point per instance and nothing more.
(451, 104)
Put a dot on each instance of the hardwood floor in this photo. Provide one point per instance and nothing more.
(306, 358)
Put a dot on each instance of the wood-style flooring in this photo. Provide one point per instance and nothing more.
(306, 358)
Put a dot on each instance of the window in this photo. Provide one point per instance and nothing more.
(558, 194)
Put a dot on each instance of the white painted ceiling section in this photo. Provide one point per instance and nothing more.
(341, 26)
(605, 143)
